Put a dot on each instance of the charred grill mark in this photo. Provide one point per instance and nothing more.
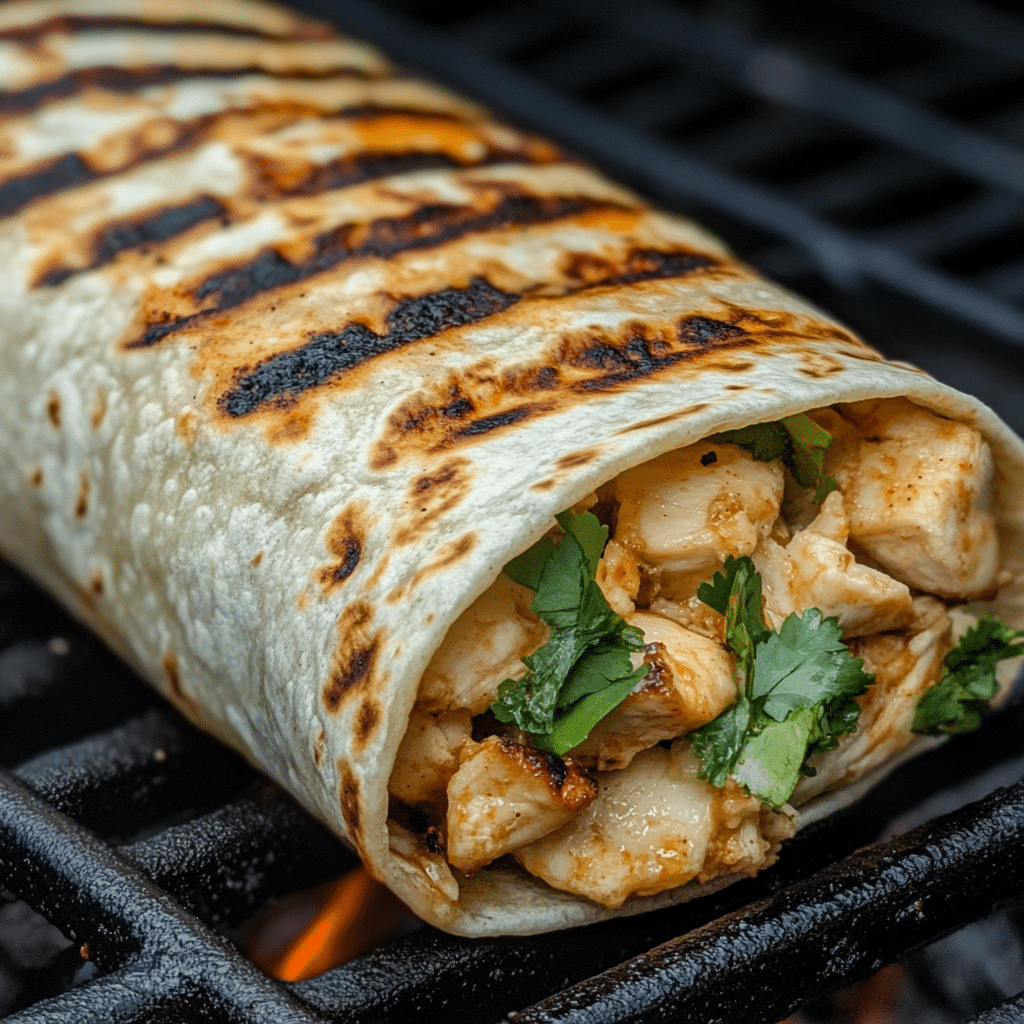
(53, 176)
(485, 424)
(460, 408)
(349, 799)
(430, 225)
(355, 657)
(640, 264)
(336, 574)
(128, 80)
(641, 356)
(73, 24)
(366, 722)
(354, 170)
(282, 378)
(134, 233)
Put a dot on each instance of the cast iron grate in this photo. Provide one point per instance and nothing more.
(867, 154)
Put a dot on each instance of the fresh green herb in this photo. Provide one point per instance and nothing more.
(584, 671)
(797, 440)
(958, 702)
(797, 692)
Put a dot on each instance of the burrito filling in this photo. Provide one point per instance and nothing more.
(708, 641)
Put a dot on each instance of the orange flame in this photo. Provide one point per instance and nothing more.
(358, 914)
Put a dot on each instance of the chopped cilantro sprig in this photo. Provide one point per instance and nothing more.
(796, 696)
(958, 702)
(584, 670)
(797, 440)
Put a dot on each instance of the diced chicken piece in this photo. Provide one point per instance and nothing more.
(685, 511)
(654, 826)
(694, 615)
(428, 755)
(482, 649)
(425, 869)
(691, 681)
(618, 576)
(815, 570)
(905, 665)
(918, 489)
(505, 795)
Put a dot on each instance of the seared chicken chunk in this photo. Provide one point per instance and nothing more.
(905, 665)
(684, 511)
(815, 570)
(618, 576)
(691, 681)
(654, 826)
(429, 755)
(918, 489)
(505, 795)
(482, 649)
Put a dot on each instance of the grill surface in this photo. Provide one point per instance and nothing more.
(866, 153)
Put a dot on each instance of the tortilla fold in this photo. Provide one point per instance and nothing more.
(297, 352)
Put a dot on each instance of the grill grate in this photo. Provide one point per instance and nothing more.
(867, 154)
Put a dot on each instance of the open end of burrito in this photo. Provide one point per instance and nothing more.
(890, 542)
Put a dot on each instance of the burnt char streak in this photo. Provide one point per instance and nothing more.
(132, 234)
(641, 357)
(430, 225)
(283, 377)
(128, 80)
(72, 24)
(54, 176)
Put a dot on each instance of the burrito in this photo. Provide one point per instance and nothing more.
(556, 560)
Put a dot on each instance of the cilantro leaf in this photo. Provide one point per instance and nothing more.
(797, 440)
(737, 595)
(796, 697)
(525, 569)
(718, 744)
(582, 672)
(804, 664)
(770, 761)
(958, 702)
(573, 726)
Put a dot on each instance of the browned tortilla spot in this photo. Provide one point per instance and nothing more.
(348, 796)
(580, 458)
(256, 559)
(657, 421)
(319, 743)
(170, 662)
(82, 501)
(445, 557)
(37, 476)
(344, 541)
(432, 496)
(354, 657)
(186, 426)
(544, 485)
(99, 409)
(366, 722)
(53, 409)
(96, 583)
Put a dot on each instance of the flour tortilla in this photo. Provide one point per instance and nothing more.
(298, 352)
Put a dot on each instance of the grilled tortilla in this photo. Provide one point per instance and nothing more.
(299, 350)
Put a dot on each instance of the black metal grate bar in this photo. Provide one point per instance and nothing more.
(783, 77)
(126, 922)
(839, 926)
